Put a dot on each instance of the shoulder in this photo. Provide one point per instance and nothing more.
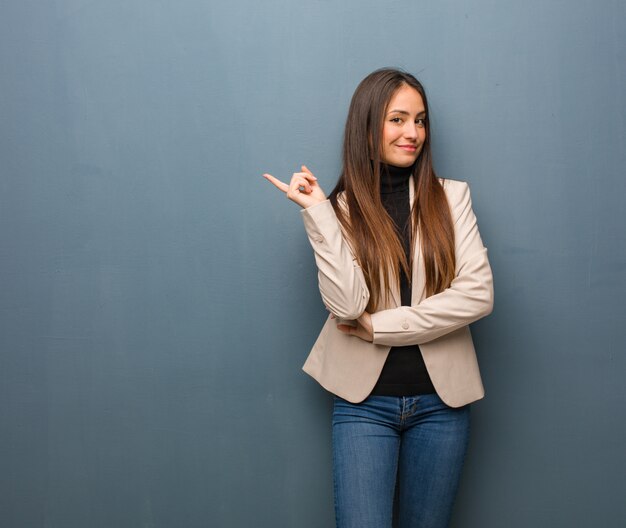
(458, 195)
(453, 187)
(456, 191)
(342, 202)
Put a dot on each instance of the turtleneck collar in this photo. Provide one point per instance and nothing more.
(394, 179)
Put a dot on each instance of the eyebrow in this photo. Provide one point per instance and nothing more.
(404, 112)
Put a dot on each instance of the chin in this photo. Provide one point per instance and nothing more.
(402, 162)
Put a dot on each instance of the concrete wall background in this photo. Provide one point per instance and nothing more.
(158, 297)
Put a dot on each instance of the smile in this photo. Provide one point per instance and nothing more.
(408, 148)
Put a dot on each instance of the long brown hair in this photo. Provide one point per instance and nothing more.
(370, 230)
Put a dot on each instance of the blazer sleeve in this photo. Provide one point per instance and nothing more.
(341, 280)
(468, 298)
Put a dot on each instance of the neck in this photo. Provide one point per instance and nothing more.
(394, 178)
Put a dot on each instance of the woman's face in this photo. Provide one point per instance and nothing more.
(404, 128)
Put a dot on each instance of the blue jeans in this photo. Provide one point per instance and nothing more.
(405, 450)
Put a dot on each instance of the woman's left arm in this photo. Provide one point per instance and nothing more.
(468, 298)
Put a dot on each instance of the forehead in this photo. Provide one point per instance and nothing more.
(406, 98)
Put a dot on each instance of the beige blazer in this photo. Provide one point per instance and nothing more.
(348, 366)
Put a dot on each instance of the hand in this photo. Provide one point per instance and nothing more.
(363, 329)
(311, 193)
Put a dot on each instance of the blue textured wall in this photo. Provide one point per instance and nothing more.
(158, 297)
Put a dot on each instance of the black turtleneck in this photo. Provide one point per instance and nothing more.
(404, 372)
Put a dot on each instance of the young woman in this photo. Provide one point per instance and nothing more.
(403, 272)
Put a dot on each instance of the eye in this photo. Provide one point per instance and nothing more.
(421, 122)
(396, 120)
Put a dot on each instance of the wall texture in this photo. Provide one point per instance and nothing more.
(158, 297)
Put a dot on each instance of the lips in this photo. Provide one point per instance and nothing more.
(407, 148)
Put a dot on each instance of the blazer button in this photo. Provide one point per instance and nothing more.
(405, 326)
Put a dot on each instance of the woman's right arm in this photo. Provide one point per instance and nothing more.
(341, 281)
(340, 278)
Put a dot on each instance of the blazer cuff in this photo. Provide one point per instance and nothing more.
(386, 324)
(319, 218)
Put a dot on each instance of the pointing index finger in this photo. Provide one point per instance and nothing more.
(282, 186)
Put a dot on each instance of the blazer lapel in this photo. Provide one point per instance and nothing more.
(418, 278)
(395, 294)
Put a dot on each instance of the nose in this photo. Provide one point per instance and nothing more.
(410, 130)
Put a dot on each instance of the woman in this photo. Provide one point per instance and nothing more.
(403, 271)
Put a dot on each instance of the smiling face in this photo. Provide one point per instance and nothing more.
(404, 127)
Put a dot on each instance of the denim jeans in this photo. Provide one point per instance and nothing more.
(397, 461)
